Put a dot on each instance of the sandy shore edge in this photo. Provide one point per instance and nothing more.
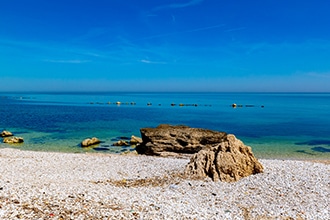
(103, 186)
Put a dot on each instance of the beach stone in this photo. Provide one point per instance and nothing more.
(135, 140)
(171, 140)
(90, 141)
(13, 140)
(5, 133)
(121, 143)
(227, 161)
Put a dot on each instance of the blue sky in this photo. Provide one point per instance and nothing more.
(165, 45)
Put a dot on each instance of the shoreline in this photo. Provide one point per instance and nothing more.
(74, 185)
(81, 151)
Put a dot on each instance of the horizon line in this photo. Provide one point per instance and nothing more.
(148, 91)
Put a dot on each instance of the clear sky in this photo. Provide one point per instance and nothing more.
(165, 45)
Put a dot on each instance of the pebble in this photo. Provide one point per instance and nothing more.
(44, 185)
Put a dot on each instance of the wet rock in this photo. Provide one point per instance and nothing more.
(13, 140)
(90, 141)
(227, 161)
(135, 140)
(5, 133)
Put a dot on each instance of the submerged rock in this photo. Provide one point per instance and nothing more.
(227, 161)
(121, 143)
(5, 133)
(90, 141)
(13, 140)
(101, 149)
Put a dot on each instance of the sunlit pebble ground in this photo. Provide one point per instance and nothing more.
(86, 186)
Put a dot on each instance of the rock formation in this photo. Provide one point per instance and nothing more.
(217, 155)
(5, 133)
(168, 139)
(227, 161)
(90, 141)
(13, 140)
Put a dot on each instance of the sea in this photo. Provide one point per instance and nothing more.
(274, 125)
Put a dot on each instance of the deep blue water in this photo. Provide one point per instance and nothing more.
(275, 125)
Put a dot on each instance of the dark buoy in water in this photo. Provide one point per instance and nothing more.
(234, 105)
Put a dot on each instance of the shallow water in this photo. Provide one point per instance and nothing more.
(275, 125)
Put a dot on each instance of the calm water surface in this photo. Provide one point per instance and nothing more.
(275, 125)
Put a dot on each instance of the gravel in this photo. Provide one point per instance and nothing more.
(45, 185)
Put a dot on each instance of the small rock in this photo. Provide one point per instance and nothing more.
(173, 186)
(121, 143)
(135, 140)
(5, 133)
(129, 153)
(90, 141)
(13, 140)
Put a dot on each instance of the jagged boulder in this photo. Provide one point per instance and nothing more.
(173, 140)
(5, 133)
(227, 161)
(90, 141)
(13, 140)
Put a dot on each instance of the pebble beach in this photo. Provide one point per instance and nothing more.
(46, 185)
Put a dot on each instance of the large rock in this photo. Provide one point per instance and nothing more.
(13, 140)
(227, 161)
(172, 140)
(90, 141)
(5, 133)
(218, 155)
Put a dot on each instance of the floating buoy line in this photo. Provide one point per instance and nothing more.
(118, 103)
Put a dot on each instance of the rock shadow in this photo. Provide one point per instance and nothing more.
(304, 152)
(321, 149)
(101, 149)
(314, 142)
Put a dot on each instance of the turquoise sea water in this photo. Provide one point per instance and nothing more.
(275, 125)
